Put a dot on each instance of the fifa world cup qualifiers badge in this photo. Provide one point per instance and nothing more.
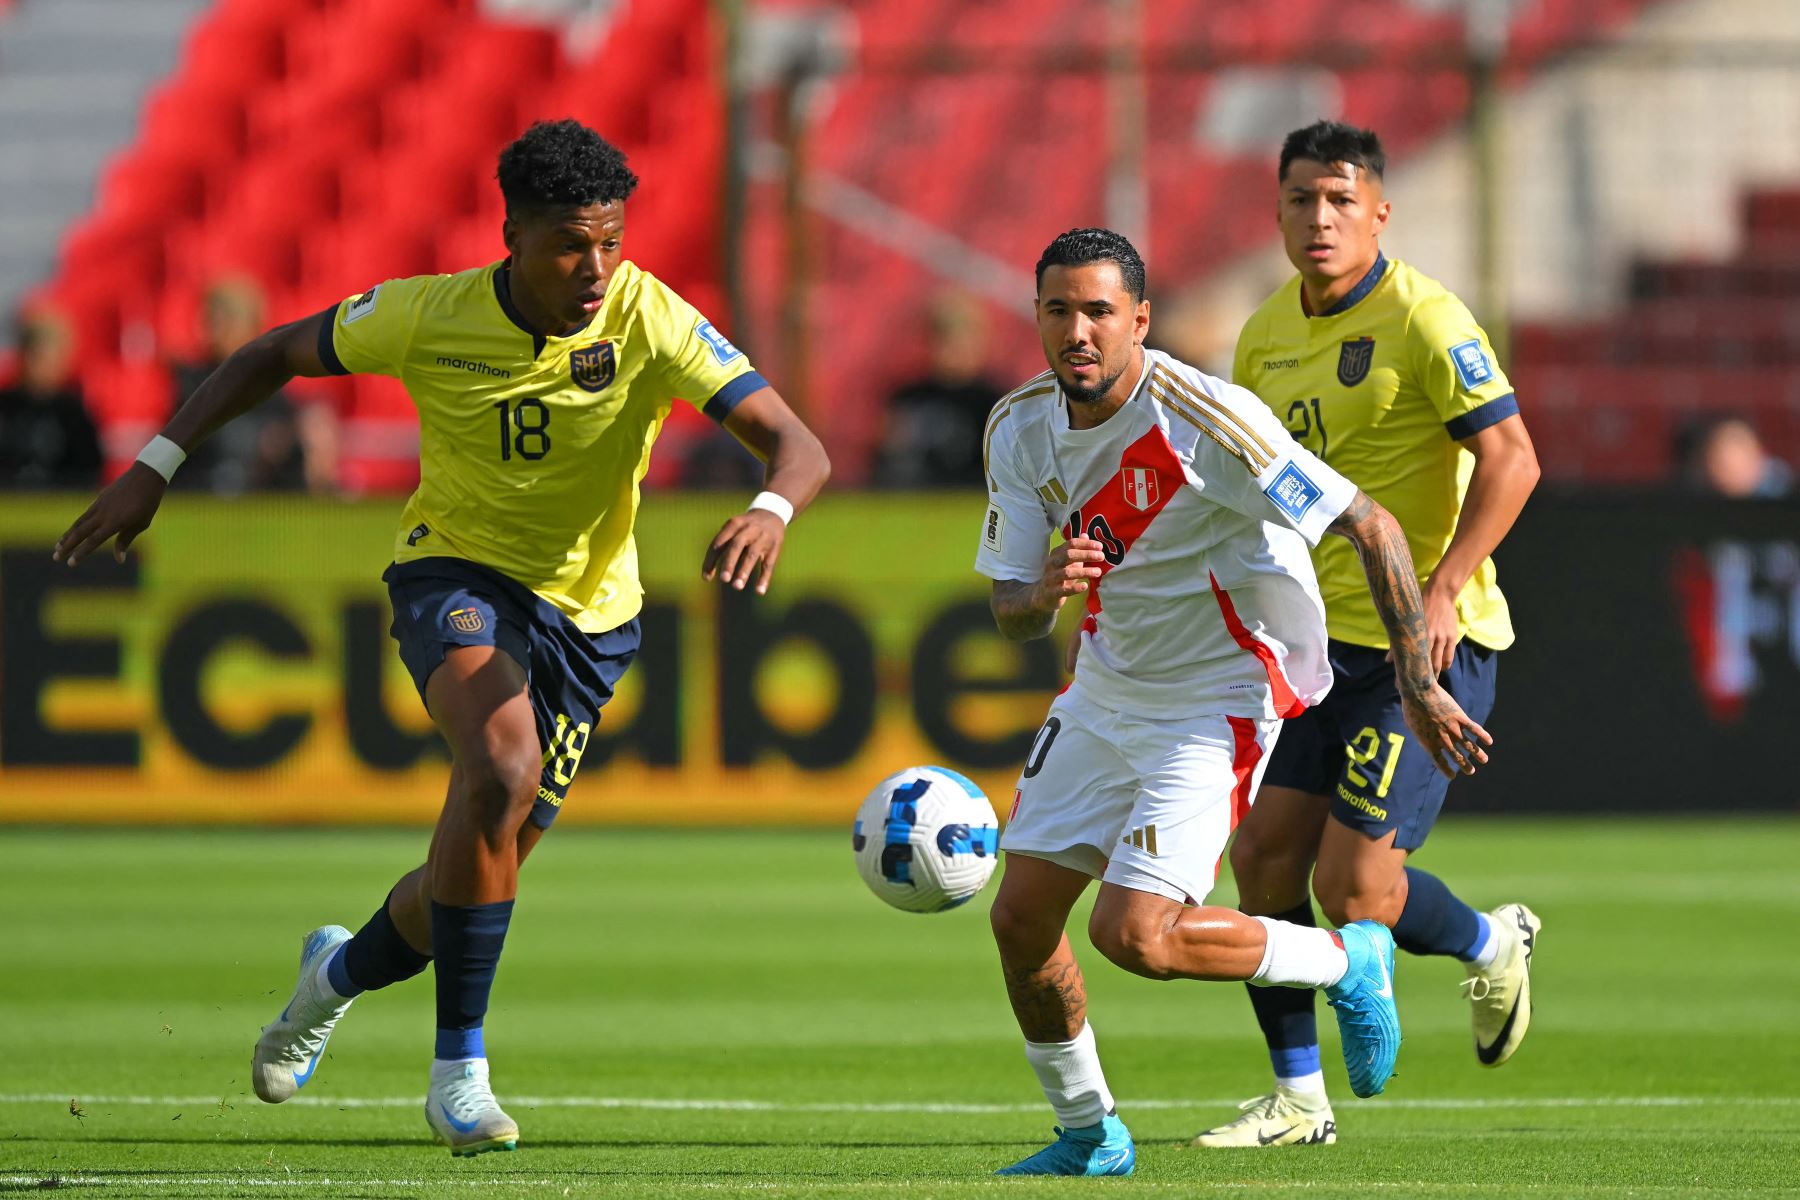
(1471, 364)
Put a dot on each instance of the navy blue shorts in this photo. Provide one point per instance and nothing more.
(1355, 747)
(440, 603)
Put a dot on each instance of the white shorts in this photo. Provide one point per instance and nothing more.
(1141, 802)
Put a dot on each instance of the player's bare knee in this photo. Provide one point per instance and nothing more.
(499, 785)
(1270, 877)
(1022, 932)
(1136, 945)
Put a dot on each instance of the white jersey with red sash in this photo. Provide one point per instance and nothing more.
(1206, 507)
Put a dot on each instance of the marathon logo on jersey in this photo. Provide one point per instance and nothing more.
(1355, 357)
(419, 531)
(1472, 364)
(468, 620)
(593, 367)
(1140, 488)
(1293, 493)
(722, 349)
(361, 306)
(993, 532)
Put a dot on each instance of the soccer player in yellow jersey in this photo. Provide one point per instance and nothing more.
(1382, 373)
(541, 382)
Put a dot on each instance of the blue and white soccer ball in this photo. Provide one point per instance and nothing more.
(926, 839)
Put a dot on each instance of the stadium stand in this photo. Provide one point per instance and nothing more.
(319, 146)
(950, 150)
(1607, 398)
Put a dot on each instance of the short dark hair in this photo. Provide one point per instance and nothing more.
(1334, 142)
(561, 165)
(1080, 247)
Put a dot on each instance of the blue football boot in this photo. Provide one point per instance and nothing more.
(1368, 1022)
(1103, 1149)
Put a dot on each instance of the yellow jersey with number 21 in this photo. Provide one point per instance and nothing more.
(1383, 387)
(531, 448)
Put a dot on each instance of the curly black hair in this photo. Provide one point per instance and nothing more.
(1080, 247)
(1334, 142)
(562, 165)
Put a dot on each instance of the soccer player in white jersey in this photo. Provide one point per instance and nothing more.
(1187, 511)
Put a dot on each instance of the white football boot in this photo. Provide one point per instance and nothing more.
(1282, 1118)
(289, 1050)
(462, 1111)
(1500, 994)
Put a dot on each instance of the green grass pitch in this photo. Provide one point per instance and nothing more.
(721, 1014)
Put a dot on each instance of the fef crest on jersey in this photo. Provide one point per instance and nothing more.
(1140, 488)
(1354, 360)
(593, 367)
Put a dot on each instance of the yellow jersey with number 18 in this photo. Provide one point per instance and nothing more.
(1383, 387)
(531, 448)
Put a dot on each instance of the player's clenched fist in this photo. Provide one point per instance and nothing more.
(746, 549)
(1069, 569)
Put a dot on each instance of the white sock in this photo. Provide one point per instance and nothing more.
(322, 978)
(1312, 1084)
(1490, 943)
(1298, 955)
(444, 1068)
(1070, 1075)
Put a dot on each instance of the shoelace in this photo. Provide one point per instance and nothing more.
(469, 1097)
(312, 1037)
(1259, 1107)
(1479, 988)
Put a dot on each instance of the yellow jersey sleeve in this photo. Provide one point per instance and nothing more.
(370, 334)
(1456, 368)
(693, 359)
(1240, 358)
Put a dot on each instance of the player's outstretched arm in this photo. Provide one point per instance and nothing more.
(796, 468)
(252, 374)
(1027, 609)
(1438, 721)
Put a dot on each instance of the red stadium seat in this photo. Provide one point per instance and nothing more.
(149, 187)
(318, 146)
(197, 121)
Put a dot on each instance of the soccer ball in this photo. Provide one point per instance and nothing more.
(926, 839)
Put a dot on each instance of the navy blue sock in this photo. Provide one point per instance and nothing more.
(466, 942)
(1286, 1015)
(1434, 921)
(376, 957)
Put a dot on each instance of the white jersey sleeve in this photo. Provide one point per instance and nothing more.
(1015, 532)
(1250, 463)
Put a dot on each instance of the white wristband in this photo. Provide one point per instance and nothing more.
(770, 502)
(162, 456)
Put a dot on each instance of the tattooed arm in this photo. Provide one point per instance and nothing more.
(1440, 723)
(1027, 610)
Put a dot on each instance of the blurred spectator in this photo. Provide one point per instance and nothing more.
(47, 439)
(1725, 457)
(935, 424)
(277, 446)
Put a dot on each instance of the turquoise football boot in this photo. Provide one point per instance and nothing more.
(1368, 1022)
(1103, 1149)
